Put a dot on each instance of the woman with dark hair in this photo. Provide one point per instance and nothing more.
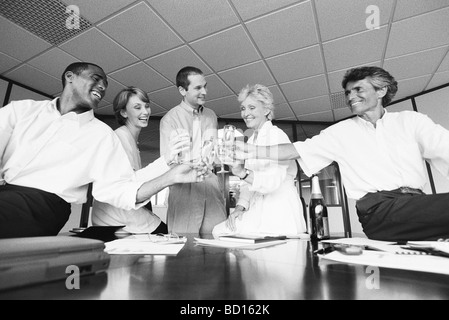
(132, 111)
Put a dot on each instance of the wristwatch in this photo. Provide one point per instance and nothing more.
(246, 175)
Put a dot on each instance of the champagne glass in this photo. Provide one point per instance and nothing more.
(184, 156)
(229, 134)
(221, 154)
(208, 152)
(225, 146)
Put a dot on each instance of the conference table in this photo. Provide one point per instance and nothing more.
(200, 274)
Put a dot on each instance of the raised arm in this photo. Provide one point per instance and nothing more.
(286, 151)
(178, 174)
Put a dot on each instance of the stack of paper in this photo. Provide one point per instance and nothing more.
(233, 244)
(251, 238)
(143, 245)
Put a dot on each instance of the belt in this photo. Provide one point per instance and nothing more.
(409, 190)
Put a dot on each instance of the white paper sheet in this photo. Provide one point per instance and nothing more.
(143, 245)
(423, 263)
(239, 245)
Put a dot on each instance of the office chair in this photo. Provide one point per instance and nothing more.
(85, 209)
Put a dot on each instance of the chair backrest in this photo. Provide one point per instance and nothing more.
(85, 209)
(87, 206)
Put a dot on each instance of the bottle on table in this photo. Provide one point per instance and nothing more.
(318, 218)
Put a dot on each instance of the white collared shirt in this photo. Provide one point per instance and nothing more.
(62, 154)
(385, 157)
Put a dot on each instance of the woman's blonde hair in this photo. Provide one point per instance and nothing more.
(260, 93)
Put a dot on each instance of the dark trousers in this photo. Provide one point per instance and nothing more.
(398, 215)
(29, 212)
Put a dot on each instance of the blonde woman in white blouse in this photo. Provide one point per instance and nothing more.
(132, 111)
(268, 200)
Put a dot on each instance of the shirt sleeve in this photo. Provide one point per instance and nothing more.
(115, 183)
(7, 121)
(125, 144)
(271, 174)
(316, 153)
(165, 129)
(433, 141)
(153, 170)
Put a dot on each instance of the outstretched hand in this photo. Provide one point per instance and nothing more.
(186, 173)
(244, 151)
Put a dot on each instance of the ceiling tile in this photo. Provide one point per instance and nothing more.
(305, 88)
(142, 76)
(197, 18)
(18, 92)
(336, 77)
(326, 116)
(412, 86)
(158, 36)
(105, 110)
(53, 62)
(444, 66)
(167, 97)
(313, 105)
(216, 88)
(278, 96)
(93, 46)
(297, 65)
(98, 9)
(283, 111)
(252, 8)
(19, 43)
(7, 62)
(113, 89)
(157, 110)
(419, 33)
(252, 73)
(340, 114)
(36, 79)
(439, 79)
(235, 115)
(409, 8)
(350, 16)
(294, 28)
(425, 62)
(353, 50)
(169, 63)
(226, 49)
(225, 105)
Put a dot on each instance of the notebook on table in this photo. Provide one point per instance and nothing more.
(32, 260)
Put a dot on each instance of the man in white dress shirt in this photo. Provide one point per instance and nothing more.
(381, 156)
(51, 150)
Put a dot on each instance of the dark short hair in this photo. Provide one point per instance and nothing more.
(378, 78)
(122, 98)
(183, 74)
(77, 68)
